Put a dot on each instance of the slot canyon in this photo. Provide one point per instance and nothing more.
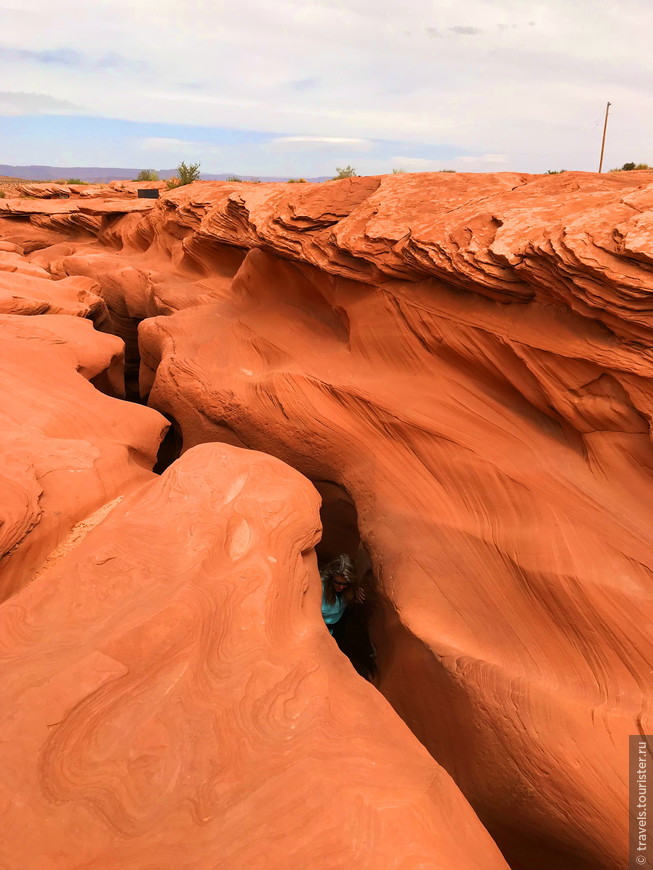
(447, 376)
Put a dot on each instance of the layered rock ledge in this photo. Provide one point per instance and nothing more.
(469, 358)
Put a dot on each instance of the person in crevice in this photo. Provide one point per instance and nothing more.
(348, 625)
(339, 588)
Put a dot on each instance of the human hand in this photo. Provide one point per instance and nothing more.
(360, 595)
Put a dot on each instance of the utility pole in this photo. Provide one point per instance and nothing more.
(605, 127)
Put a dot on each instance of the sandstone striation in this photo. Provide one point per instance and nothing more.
(462, 364)
(58, 190)
(470, 358)
(176, 701)
(67, 449)
(25, 288)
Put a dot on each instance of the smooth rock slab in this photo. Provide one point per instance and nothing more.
(172, 699)
(66, 449)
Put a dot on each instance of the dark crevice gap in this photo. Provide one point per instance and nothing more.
(128, 331)
(340, 534)
(170, 447)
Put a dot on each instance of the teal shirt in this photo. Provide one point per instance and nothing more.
(332, 612)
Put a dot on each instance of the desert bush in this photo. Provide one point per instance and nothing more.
(446, 170)
(347, 172)
(147, 175)
(554, 171)
(74, 181)
(233, 178)
(627, 167)
(296, 181)
(398, 171)
(188, 173)
(2, 194)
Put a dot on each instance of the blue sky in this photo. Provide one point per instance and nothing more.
(299, 87)
(26, 139)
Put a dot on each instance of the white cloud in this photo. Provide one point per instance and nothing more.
(483, 158)
(23, 103)
(528, 80)
(168, 151)
(418, 164)
(165, 144)
(467, 30)
(322, 142)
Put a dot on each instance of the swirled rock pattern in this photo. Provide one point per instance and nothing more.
(67, 449)
(25, 288)
(471, 359)
(175, 700)
(468, 358)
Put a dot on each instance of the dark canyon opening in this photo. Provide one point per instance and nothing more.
(340, 534)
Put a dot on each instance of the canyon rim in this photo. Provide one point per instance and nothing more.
(449, 374)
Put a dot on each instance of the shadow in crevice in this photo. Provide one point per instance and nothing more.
(170, 447)
(340, 534)
(352, 635)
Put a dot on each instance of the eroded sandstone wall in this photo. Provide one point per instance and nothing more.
(469, 358)
(67, 449)
(179, 702)
(170, 694)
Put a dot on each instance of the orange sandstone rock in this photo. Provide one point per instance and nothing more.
(29, 290)
(175, 700)
(469, 357)
(483, 393)
(67, 449)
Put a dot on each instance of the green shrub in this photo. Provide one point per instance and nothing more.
(74, 181)
(627, 167)
(296, 181)
(233, 178)
(147, 175)
(187, 174)
(347, 172)
(554, 171)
